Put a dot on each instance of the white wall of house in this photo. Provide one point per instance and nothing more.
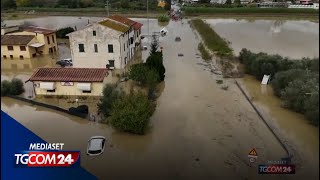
(104, 37)
(70, 90)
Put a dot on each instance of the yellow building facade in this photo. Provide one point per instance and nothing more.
(27, 42)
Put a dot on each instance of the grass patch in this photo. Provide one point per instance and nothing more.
(211, 39)
(204, 53)
(247, 10)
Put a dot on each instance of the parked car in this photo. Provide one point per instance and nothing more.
(96, 145)
(65, 62)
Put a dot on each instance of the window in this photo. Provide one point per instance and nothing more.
(22, 48)
(21, 57)
(11, 56)
(53, 38)
(110, 48)
(53, 90)
(95, 48)
(4, 56)
(94, 33)
(131, 39)
(10, 48)
(111, 63)
(124, 47)
(81, 47)
(86, 91)
(48, 39)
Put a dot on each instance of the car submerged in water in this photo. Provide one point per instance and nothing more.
(96, 145)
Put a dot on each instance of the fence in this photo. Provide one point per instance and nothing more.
(81, 115)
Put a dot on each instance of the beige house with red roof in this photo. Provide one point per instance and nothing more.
(27, 41)
(69, 81)
(111, 42)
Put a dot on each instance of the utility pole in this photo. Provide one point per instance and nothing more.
(148, 19)
(107, 7)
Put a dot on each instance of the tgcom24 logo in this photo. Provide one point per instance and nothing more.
(46, 155)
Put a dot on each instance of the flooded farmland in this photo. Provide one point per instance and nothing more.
(295, 39)
(199, 131)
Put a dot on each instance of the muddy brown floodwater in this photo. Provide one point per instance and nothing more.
(199, 131)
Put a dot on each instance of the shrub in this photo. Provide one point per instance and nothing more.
(61, 33)
(15, 87)
(131, 113)
(312, 108)
(5, 88)
(109, 96)
(163, 18)
(144, 74)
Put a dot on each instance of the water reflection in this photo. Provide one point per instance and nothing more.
(276, 26)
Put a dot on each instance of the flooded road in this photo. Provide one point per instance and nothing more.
(295, 39)
(199, 131)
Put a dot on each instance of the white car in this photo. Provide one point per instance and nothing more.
(96, 145)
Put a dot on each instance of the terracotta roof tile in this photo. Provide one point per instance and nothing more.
(137, 26)
(70, 74)
(16, 39)
(122, 20)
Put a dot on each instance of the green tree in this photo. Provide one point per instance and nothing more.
(13, 87)
(237, 2)
(228, 2)
(124, 4)
(143, 74)
(312, 108)
(5, 88)
(61, 33)
(155, 61)
(283, 78)
(109, 96)
(168, 5)
(8, 4)
(131, 113)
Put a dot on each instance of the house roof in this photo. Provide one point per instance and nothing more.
(122, 20)
(126, 21)
(137, 26)
(16, 39)
(35, 29)
(70, 74)
(114, 25)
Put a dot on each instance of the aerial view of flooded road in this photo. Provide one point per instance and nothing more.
(199, 131)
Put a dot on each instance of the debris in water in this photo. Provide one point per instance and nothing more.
(178, 39)
(197, 159)
(180, 54)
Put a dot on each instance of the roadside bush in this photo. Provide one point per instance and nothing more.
(109, 96)
(163, 18)
(15, 87)
(296, 82)
(131, 113)
(283, 78)
(61, 33)
(144, 74)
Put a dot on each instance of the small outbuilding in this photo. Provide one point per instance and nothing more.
(69, 81)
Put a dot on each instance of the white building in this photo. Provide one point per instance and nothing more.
(110, 42)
